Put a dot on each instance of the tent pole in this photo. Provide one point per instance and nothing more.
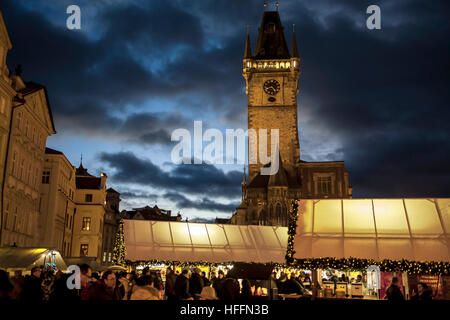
(314, 284)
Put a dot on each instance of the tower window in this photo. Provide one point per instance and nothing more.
(84, 249)
(88, 197)
(46, 177)
(270, 27)
(86, 224)
(324, 185)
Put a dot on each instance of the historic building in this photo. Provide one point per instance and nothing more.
(151, 213)
(90, 200)
(271, 73)
(7, 95)
(57, 202)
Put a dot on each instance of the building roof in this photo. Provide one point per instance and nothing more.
(52, 151)
(193, 242)
(89, 182)
(271, 42)
(111, 190)
(32, 87)
(82, 171)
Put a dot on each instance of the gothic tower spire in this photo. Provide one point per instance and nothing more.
(248, 49)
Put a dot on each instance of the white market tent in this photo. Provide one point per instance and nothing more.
(413, 229)
(194, 242)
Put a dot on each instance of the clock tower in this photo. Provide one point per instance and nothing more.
(271, 75)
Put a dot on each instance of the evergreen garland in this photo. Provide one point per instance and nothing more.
(119, 246)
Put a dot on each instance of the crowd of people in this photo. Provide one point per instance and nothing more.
(45, 284)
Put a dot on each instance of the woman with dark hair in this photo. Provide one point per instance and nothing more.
(246, 291)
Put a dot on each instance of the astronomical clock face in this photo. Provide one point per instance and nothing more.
(271, 87)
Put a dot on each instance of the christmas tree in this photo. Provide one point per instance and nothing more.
(119, 246)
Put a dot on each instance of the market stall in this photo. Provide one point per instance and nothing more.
(211, 247)
(14, 258)
(401, 236)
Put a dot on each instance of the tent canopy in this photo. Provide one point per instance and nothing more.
(194, 242)
(413, 229)
(26, 258)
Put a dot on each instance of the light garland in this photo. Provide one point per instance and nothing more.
(119, 246)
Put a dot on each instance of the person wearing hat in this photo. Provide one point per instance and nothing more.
(196, 283)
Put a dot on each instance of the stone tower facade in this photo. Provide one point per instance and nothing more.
(271, 73)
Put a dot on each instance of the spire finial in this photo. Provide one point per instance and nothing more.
(248, 29)
(81, 160)
(265, 5)
(293, 27)
(276, 5)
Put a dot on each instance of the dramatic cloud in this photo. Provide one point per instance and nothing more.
(377, 99)
(192, 179)
(203, 204)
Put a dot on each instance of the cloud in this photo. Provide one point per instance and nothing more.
(190, 179)
(203, 204)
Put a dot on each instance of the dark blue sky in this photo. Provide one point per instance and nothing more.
(378, 99)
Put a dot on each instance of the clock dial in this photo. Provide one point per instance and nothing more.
(271, 87)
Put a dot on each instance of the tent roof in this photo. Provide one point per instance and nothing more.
(193, 242)
(413, 229)
(14, 257)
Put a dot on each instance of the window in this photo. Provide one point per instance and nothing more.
(104, 256)
(324, 185)
(88, 197)
(86, 226)
(46, 177)
(2, 105)
(109, 257)
(84, 248)
(19, 119)
(13, 168)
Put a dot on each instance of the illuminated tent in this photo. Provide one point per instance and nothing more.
(412, 229)
(194, 242)
(26, 258)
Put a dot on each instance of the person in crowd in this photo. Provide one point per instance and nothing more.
(218, 283)
(205, 279)
(170, 284)
(123, 285)
(230, 289)
(359, 278)
(182, 286)
(273, 281)
(293, 286)
(246, 291)
(424, 293)
(212, 277)
(104, 289)
(17, 281)
(47, 284)
(85, 280)
(393, 293)
(95, 277)
(343, 278)
(145, 271)
(208, 293)
(195, 283)
(6, 288)
(32, 290)
(145, 290)
(281, 283)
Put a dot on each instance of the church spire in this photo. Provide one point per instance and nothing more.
(294, 43)
(248, 49)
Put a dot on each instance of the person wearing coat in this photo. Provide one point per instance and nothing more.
(195, 283)
(104, 289)
(182, 286)
(170, 284)
(32, 289)
(145, 290)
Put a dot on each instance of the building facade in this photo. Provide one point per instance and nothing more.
(112, 217)
(271, 73)
(57, 202)
(90, 200)
(151, 213)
